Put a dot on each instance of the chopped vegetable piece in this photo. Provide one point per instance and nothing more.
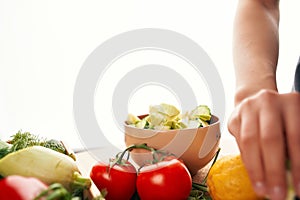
(132, 119)
(202, 112)
(168, 117)
(165, 109)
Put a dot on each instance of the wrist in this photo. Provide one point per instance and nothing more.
(245, 92)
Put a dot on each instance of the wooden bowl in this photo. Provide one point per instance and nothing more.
(195, 146)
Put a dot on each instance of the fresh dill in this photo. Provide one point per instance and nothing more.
(21, 140)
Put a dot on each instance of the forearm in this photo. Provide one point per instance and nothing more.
(255, 47)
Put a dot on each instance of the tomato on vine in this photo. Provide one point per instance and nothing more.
(167, 179)
(117, 181)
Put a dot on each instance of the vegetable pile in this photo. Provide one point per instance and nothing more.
(34, 168)
(166, 117)
(30, 168)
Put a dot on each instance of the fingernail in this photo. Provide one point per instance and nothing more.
(259, 188)
(277, 193)
(298, 189)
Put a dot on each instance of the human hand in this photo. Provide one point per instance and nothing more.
(267, 129)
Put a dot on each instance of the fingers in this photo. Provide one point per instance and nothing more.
(250, 147)
(258, 126)
(272, 142)
(292, 127)
(244, 126)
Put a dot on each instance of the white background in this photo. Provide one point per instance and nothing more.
(43, 45)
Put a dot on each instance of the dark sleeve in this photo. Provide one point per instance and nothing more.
(297, 77)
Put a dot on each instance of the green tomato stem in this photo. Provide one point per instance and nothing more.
(130, 148)
(215, 159)
(200, 187)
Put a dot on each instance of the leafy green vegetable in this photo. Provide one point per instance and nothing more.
(54, 145)
(4, 149)
(22, 140)
(26, 139)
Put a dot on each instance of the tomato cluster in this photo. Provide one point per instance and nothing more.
(165, 179)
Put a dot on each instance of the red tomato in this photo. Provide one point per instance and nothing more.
(119, 181)
(20, 188)
(168, 179)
